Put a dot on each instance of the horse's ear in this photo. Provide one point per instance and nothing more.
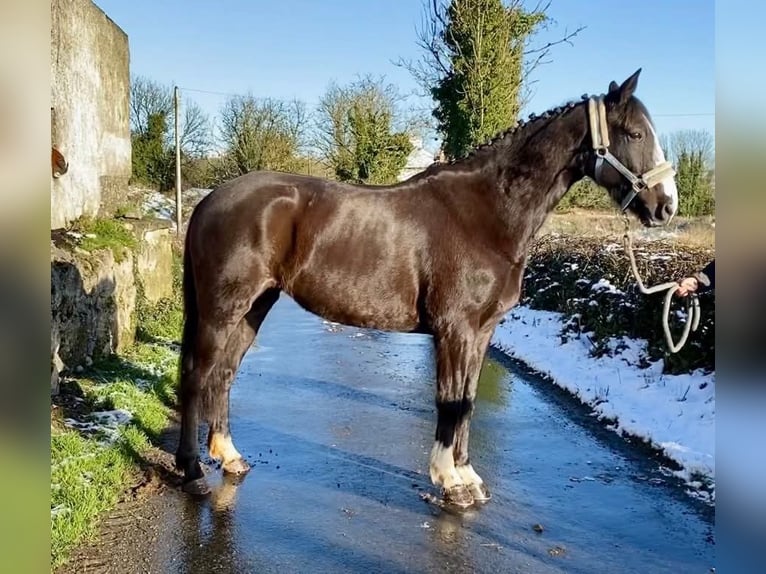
(613, 87)
(628, 87)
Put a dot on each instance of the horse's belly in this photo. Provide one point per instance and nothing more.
(366, 302)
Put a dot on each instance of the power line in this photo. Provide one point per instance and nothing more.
(259, 98)
(208, 92)
(416, 108)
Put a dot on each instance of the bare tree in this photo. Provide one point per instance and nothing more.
(260, 134)
(362, 132)
(539, 55)
(196, 130)
(689, 142)
(149, 98)
(152, 116)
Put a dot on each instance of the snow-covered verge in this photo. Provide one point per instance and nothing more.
(674, 413)
(583, 325)
(103, 423)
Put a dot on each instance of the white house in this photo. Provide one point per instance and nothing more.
(418, 160)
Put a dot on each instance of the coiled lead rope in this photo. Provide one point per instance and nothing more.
(692, 301)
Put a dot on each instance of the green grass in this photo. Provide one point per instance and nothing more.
(89, 474)
(86, 480)
(161, 321)
(101, 233)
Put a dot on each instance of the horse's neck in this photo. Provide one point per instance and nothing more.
(538, 167)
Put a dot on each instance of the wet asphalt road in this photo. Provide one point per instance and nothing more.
(338, 424)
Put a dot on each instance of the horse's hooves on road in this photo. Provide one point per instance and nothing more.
(480, 493)
(196, 487)
(236, 467)
(458, 496)
(231, 479)
(448, 506)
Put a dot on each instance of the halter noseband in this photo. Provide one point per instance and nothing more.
(600, 138)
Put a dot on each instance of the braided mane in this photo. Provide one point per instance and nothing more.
(518, 126)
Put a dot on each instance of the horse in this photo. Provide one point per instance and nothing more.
(442, 253)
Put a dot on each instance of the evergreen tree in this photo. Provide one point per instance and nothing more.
(481, 94)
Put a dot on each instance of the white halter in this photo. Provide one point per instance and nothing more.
(600, 136)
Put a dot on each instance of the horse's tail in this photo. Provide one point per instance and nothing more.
(191, 317)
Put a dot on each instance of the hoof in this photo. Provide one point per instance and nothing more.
(237, 466)
(196, 487)
(458, 496)
(480, 492)
(230, 479)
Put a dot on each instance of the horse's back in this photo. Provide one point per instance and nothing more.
(359, 255)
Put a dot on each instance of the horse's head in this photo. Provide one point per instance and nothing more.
(628, 160)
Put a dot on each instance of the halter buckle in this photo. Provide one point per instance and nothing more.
(640, 185)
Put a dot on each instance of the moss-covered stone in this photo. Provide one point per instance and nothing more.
(101, 272)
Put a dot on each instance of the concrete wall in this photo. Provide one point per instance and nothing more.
(90, 121)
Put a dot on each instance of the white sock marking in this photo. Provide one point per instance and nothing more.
(469, 475)
(442, 467)
(222, 448)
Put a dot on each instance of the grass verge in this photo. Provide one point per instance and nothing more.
(111, 415)
(102, 233)
(162, 321)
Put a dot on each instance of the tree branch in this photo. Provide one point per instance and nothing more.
(567, 39)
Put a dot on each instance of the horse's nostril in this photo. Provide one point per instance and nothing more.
(664, 212)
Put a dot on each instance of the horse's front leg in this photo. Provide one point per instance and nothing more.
(470, 477)
(455, 355)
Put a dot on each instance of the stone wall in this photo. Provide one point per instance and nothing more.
(93, 301)
(90, 118)
(94, 295)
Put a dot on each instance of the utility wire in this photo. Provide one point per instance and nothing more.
(230, 95)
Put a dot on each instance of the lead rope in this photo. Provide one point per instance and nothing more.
(692, 301)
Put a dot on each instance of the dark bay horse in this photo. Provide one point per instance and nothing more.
(442, 253)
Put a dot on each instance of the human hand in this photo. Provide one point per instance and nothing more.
(686, 286)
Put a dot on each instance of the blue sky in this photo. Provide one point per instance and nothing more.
(294, 48)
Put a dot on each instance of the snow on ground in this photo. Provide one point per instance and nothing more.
(675, 413)
(159, 205)
(103, 423)
(163, 206)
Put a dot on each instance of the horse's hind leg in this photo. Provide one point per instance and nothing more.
(210, 341)
(208, 328)
(216, 401)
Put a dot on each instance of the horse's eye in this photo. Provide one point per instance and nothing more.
(636, 136)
